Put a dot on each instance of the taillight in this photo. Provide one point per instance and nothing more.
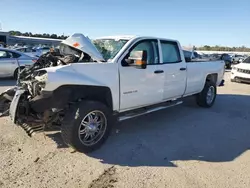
(34, 60)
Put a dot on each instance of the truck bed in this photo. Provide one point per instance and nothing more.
(203, 60)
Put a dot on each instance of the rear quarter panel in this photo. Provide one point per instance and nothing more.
(25, 60)
(197, 73)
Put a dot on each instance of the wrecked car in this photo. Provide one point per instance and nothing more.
(87, 86)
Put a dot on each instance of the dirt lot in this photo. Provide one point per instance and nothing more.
(184, 146)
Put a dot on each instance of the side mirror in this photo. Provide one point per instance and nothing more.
(137, 59)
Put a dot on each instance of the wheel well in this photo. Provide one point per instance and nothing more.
(16, 70)
(72, 93)
(212, 78)
(101, 94)
(21, 67)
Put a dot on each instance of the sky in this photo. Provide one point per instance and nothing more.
(192, 22)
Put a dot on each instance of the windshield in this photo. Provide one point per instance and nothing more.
(247, 60)
(109, 47)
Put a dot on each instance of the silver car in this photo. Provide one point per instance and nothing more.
(9, 60)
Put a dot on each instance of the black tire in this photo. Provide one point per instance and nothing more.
(15, 76)
(228, 66)
(72, 122)
(201, 98)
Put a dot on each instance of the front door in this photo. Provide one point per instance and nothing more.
(7, 63)
(175, 70)
(141, 87)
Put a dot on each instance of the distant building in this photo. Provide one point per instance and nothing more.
(8, 39)
(3, 37)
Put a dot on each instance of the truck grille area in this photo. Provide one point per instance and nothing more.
(243, 71)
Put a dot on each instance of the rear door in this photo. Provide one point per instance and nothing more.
(175, 70)
(8, 63)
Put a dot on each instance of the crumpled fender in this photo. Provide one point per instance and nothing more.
(66, 75)
(5, 99)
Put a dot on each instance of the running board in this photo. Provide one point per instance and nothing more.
(133, 115)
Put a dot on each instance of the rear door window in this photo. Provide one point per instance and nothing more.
(170, 52)
(13, 55)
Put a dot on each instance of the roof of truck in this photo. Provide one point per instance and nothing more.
(118, 37)
(129, 37)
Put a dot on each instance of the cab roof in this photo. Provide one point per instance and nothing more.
(129, 37)
(118, 37)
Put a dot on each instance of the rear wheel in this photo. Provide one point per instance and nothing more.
(207, 96)
(87, 126)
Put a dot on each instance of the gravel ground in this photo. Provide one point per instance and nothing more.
(184, 146)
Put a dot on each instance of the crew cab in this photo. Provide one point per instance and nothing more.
(241, 71)
(128, 76)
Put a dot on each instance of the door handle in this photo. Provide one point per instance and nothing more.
(159, 71)
(182, 69)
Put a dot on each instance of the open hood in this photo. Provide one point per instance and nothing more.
(84, 44)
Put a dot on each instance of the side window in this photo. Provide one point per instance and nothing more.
(151, 46)
(13, 55)
(3, 54)
(170, 52)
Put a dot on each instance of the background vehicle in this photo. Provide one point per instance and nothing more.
(228, 60)
(28, 51)
(189, 56)
(33, 52)
(41, 50)
(119, 78)
(237, 58)
(241, 71)
(9, 60)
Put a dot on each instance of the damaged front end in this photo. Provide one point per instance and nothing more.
(28, 104)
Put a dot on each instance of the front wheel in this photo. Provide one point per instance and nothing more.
(16, 72)
(207, 96)
(15, 75)
(87, 126)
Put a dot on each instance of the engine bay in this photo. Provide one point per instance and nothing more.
(32, 109)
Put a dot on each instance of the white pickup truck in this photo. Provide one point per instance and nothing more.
(124, 77)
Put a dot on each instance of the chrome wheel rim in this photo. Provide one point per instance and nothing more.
(210, 94)
(92, 128)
